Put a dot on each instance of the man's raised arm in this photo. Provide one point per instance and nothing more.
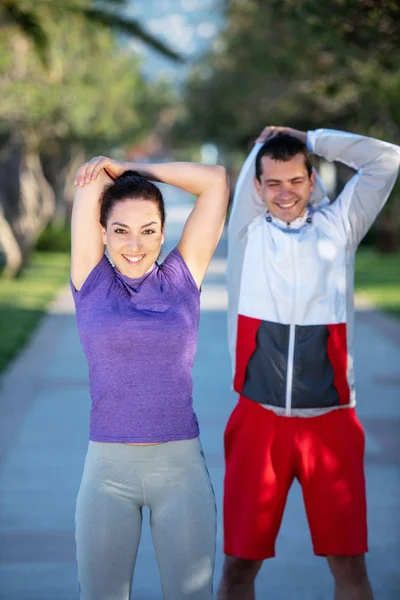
(247, 205)
(376, 163)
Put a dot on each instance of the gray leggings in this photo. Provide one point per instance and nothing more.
(172, 480)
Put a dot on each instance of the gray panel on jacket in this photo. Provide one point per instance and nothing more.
(312, 373)
(265, 375)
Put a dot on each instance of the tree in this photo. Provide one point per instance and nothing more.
(89, 96)
(23, 15)
(302, 62)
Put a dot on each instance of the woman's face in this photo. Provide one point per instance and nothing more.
(134, 236)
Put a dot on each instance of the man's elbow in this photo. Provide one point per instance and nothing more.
(392, 158)
(396, 158)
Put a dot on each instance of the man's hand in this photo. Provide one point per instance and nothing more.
(271, 131)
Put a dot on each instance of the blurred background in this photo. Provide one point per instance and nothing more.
(157, 80)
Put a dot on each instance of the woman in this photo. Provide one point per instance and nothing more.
(138, 324)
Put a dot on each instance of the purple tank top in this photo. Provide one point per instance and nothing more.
(139, 337)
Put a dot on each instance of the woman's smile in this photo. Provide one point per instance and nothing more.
(133, 260)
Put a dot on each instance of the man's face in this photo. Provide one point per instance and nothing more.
(285, 187)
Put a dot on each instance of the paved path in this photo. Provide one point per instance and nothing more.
(44, 411)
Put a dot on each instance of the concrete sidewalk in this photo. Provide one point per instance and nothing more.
(44, 411)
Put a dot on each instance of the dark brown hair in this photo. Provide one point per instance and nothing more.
(283, 147)
(130, 186)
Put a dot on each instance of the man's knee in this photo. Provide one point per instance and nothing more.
(348, 569)
(240, 570)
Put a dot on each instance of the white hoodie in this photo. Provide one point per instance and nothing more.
(290, 288)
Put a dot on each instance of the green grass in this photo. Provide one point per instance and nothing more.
(378, 279)
(23, 301)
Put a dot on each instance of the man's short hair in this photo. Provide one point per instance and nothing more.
(283, 148)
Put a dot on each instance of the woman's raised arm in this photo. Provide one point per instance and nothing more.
(87, 246)
(205, 223)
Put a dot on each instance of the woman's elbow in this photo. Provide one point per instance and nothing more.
(221, 175)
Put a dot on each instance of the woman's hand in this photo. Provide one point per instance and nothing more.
(89, 171)
(271, 131)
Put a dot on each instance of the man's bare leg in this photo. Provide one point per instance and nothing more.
(351, 578)
(238, 579)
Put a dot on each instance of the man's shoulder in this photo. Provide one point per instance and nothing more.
(256, 223)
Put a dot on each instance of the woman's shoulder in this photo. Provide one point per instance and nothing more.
(98, 280)
(177, 272)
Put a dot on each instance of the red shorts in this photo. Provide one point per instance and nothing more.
(264, 452)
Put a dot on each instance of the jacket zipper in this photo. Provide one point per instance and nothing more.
(292, 329)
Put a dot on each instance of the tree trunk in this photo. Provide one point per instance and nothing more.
(10, 247)
(60, 164)
(37, 202)
(26, 200)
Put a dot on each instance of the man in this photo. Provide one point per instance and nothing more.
(290, 283)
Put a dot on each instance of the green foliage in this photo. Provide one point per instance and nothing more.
(55, 238)
(91, 92)
(25, 16)
(20, 15)
(377, 277)
(303, 63)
